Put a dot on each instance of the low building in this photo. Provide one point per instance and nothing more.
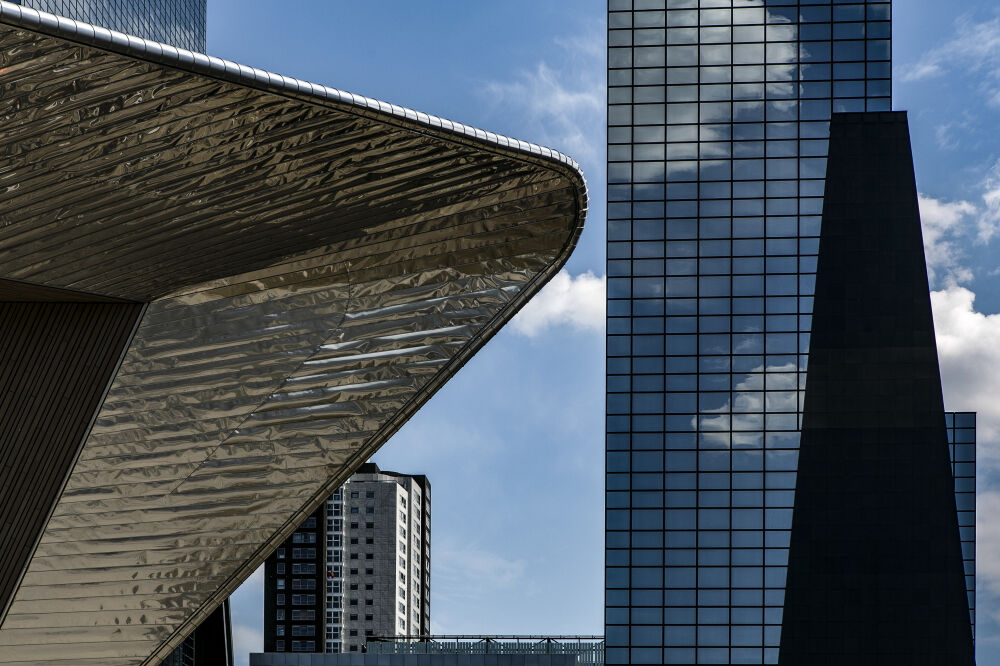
(454, 650)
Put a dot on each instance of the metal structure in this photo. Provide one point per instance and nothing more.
(589, 649)
(222, 290)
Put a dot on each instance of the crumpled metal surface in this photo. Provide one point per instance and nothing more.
(316, 265)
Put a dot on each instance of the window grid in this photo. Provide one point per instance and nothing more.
(717, 125)
(175, 22)
(961, 428)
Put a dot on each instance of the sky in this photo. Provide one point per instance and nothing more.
(513, 445)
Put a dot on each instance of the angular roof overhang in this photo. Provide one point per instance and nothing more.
(221, 290)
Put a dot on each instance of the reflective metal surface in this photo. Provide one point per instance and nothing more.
(317, 265)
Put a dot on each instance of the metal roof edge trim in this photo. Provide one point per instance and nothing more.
(118, 42)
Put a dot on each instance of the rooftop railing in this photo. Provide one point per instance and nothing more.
(589, 649)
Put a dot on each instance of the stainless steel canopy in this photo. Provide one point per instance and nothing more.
(305, 268)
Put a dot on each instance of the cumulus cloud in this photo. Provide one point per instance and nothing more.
(943, 224)
(562, 106)
(577, 302)
(989, 218)
(947, 225)
(974, 47)
(969, 352)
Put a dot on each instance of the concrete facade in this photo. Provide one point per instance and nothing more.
(358, 567)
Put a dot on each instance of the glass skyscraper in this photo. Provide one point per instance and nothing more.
(175, 22)
(718, 125)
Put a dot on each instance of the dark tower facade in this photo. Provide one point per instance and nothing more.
(875, 571)
(294, 584)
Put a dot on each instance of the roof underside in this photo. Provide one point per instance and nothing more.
(315, 266)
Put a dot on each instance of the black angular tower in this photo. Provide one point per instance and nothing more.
(875, 565)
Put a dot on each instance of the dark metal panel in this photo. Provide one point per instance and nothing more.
(16, 291)
(875, 564)
(56, 362)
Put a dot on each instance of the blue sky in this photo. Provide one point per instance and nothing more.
(513, 445)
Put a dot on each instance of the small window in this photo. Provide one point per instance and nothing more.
(355, 509)
(354, 617)
(369, 541)
(280, 614)
(354, 526)
(369, 586)
(370, 526)
(355, 494)
(369, 509)
(354, 541)
(281, 583)
(369, 556)
(369, 572)
(280, 646)
(370, 494)
(281, 553)
(281, 568)
(280, 629)
(354, 602)
(369, 618)
(280, 600)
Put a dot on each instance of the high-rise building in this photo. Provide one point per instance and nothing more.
(719, 133)
(179, 23)
(368, 549)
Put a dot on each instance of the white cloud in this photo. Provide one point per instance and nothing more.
(943, 223)
(969, 353)
(577, 302)
(989, 219)
(974, 47)
(562, 106)
(467, 571)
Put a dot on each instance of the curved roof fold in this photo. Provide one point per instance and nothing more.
(221, 290)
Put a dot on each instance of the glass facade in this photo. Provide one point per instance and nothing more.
(961, 428)
(175, 22)
(718, 118)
